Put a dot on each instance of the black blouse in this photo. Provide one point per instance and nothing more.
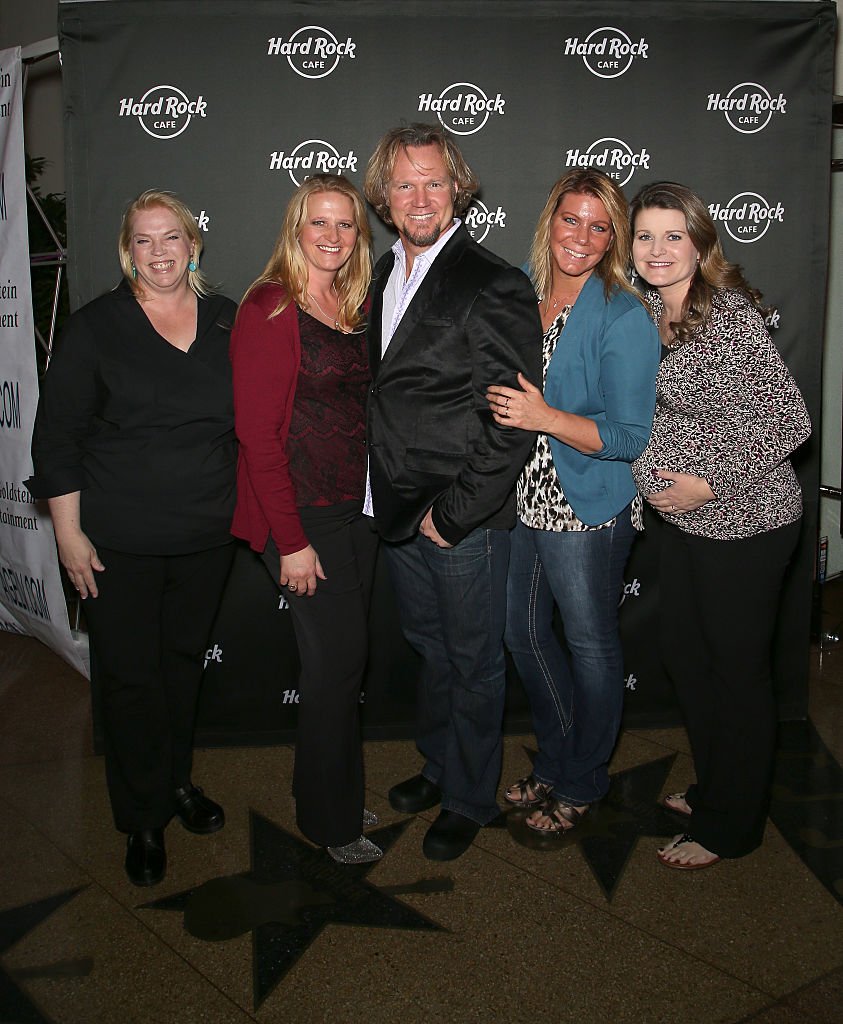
(328, 426)
(143, 430)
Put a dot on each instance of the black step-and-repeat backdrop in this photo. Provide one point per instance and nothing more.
(231, 104)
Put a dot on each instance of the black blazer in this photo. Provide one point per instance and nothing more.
(432, 441)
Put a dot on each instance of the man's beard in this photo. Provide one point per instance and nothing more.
(423, 235)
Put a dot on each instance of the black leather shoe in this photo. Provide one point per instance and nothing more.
(449, 836)
(146, 858)
(198, 813)
(414, 795)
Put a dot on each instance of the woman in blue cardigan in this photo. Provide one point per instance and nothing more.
(577, 504)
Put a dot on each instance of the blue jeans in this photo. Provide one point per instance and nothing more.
(576, 696)
(452, 603)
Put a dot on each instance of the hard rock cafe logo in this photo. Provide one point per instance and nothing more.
(213, 654)
(163, 111)
(747, 216)
(607, 52)
(312, 51)
(462, 108)
(631, 589)
(479, 219)
(773, 319)
(748, 107)
(315, 156)
(613, 156)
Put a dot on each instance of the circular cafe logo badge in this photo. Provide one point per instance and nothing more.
(163, 111)
(607, 52)
(479, 219)
(748, 107)
(315, 156)
(314, 52)
(462, 108)
(614, 156)
(746, 216)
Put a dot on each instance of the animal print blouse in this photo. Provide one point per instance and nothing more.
(542, 504)
(727, 410)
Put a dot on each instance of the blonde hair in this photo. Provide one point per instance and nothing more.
(288, 267)
(612, 268)
(464, 182)
(147, 201)
(713, 270)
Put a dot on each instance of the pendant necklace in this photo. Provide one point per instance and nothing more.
(322, 311)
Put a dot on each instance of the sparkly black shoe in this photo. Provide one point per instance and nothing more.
(361, 851)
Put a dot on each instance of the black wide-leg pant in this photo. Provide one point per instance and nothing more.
(331, 629)
(149, 629)
(718, 603)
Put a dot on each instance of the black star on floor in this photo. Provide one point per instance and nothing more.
(15, 1005)
(608, 834)
(292, 892)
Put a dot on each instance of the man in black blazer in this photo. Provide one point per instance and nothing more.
(448, 318)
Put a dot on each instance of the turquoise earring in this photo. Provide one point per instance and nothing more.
(134, 271)
(193, 266)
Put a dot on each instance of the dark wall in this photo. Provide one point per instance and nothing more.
(231, 104)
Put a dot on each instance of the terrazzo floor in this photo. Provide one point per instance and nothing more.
(255, 924)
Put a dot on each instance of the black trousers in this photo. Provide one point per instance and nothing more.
(332, 635)
(149, 629)
(718, 604)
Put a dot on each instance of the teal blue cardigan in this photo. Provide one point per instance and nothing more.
(604, 367)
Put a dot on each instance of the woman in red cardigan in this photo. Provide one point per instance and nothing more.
(300, 383)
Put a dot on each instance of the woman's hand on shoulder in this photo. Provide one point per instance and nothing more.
(80, 560)
(686, 493)
(524, 408)
(299, 572)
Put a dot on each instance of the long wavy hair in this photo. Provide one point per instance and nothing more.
(147, 201)
(288, 267)
(464, 182)
(612, 268)
(713, 271)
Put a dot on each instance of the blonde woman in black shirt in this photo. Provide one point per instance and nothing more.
(134, 450)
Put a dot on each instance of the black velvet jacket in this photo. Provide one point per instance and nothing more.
(432, 441)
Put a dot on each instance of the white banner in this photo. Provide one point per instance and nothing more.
(31, 597)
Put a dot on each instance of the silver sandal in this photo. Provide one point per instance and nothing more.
(530, 784)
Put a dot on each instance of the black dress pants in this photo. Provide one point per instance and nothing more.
(331, 630)
(718, 604)
(149, 629)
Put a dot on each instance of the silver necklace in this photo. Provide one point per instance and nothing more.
(322, 311)
(554, 304)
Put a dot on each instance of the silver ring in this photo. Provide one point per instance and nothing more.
(291, 586)
(672, 508)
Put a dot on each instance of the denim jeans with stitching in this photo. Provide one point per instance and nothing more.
(575, 694)
(452, 604)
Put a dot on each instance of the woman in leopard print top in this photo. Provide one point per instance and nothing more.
(577, 504)
(717, 469)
